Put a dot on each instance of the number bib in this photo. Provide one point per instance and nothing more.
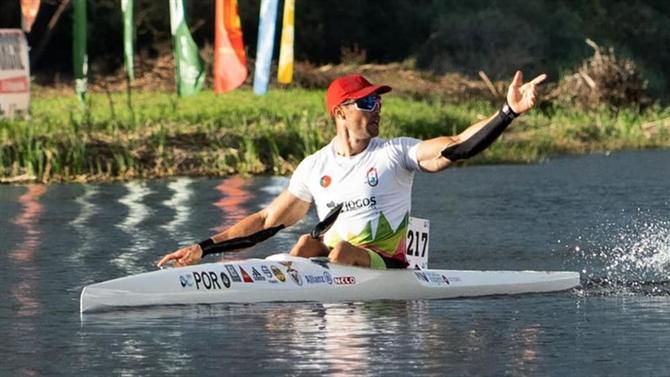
(417, 243)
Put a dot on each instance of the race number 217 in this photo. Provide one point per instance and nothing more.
(416, 243)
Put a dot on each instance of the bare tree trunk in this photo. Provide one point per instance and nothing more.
(47, 36)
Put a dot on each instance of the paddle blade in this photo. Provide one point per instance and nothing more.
(322, 227)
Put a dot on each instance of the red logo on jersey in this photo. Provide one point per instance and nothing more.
(325, 181)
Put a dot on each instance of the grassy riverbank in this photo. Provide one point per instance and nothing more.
(161, 135)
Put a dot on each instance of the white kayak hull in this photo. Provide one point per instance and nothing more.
(282, 278)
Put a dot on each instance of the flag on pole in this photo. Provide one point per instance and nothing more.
(230, 61)
(80, 57)
(127, 9)
(29, 10)
(285, 72)
(266, 39)
(190, 67)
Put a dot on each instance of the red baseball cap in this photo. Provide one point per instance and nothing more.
(351, 87)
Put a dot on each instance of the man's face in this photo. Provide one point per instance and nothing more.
(362, 118)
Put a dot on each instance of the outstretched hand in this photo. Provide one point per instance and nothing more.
(522, 97)
(185, 256)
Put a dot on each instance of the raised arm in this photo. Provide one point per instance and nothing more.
(437, 154)
(286, 209)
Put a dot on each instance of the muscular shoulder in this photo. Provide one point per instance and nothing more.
(401, 150)
(317, 158)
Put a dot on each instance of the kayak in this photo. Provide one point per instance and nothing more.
(284, 278)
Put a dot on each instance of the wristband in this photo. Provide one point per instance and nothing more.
(205, 245)
(508, 112)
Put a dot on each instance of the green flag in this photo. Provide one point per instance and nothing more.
(127, 9)
(190, 67)
(79, 51)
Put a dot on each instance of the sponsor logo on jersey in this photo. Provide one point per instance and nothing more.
(352, 205)
(373, 178)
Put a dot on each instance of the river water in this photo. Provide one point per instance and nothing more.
(607, 216)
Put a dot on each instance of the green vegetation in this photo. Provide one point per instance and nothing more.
(241, 133)
(441, 36)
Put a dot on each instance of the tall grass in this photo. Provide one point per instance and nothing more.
(238, 132)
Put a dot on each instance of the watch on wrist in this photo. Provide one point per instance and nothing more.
(507, 111)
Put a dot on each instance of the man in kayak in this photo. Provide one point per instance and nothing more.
(371, 177)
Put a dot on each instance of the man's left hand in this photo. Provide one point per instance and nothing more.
(521, 97)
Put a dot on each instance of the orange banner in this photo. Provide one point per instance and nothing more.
(29, 10)
(230, 62)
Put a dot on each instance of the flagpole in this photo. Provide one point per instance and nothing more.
(80, 57)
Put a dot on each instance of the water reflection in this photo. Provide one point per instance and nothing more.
(23, 255)
(284, 240)
(87, 233)
(346, 344)
(24, 287)
(27, 220)
(140, 241)
(234, 196)
(274, 187)
(180, 202)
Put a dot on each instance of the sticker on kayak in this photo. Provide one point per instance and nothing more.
(245, 276)
(324, 278)
(278, 274)
(431, 278)
(256, 275)
(267, 272)
(344, 280)
(293, 273)
(233, 273)
(205, 280)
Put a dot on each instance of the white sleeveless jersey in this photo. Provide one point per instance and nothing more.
(375, 187)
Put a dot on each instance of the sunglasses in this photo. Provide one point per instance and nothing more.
(368, 103)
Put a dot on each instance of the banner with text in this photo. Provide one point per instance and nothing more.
(14, 73)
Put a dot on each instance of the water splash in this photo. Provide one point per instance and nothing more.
(626, 259)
